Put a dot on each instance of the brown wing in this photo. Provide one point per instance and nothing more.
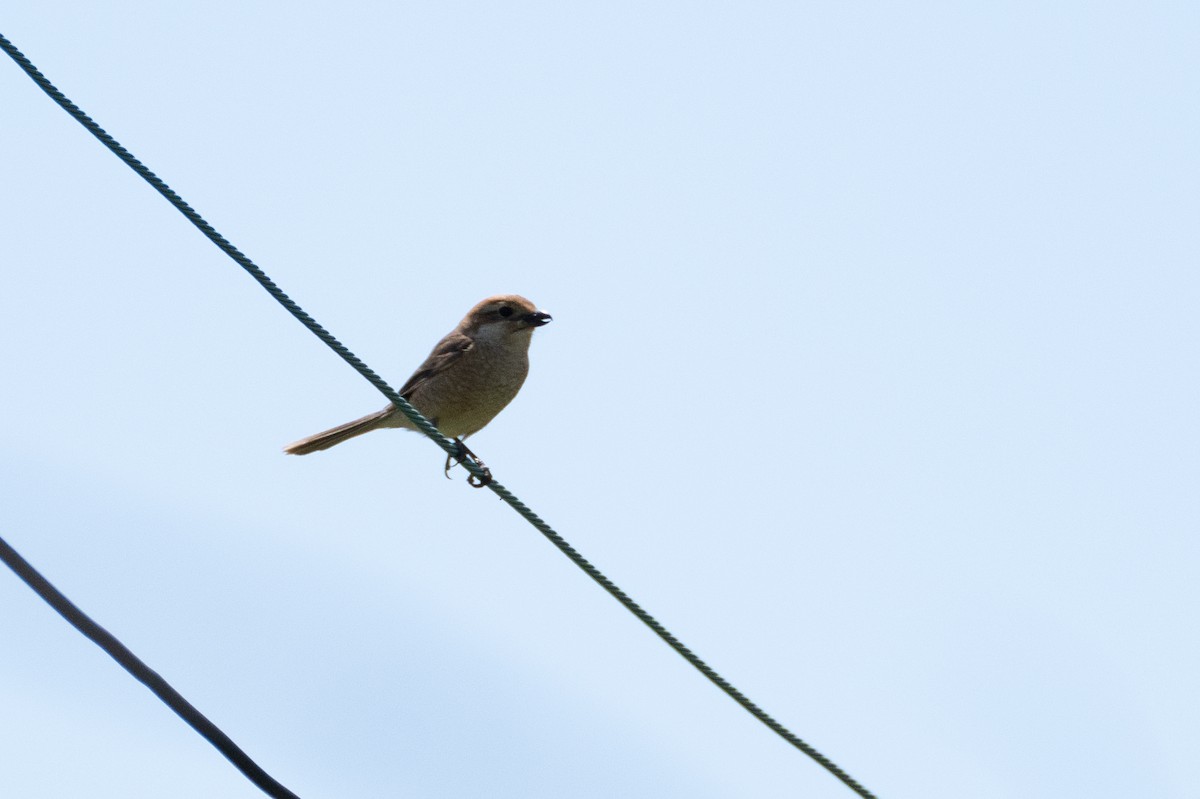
(444, 355)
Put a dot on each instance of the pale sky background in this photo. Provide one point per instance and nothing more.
(873, 376)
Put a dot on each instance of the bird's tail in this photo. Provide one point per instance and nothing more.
(340, 433)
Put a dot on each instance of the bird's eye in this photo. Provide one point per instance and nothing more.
(505, 311)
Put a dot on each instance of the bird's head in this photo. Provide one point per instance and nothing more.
(502, 316)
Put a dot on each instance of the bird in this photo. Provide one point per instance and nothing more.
(468, 378)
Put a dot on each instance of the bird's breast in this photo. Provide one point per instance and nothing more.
(467, 396)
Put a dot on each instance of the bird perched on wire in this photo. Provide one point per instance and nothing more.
(470, 376)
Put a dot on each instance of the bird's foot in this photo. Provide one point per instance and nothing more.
(464, 452)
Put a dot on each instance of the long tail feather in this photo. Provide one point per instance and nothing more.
(338, 434)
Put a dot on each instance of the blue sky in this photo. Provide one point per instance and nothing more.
(873, 376)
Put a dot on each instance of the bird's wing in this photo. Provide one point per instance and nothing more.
(447, 352)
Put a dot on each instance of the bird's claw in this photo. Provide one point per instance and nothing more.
(458, 457)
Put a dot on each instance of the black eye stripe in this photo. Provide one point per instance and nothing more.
(505, 311)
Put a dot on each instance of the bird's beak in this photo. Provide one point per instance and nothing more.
(537, 318)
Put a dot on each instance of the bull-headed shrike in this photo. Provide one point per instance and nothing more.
(470, 376)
